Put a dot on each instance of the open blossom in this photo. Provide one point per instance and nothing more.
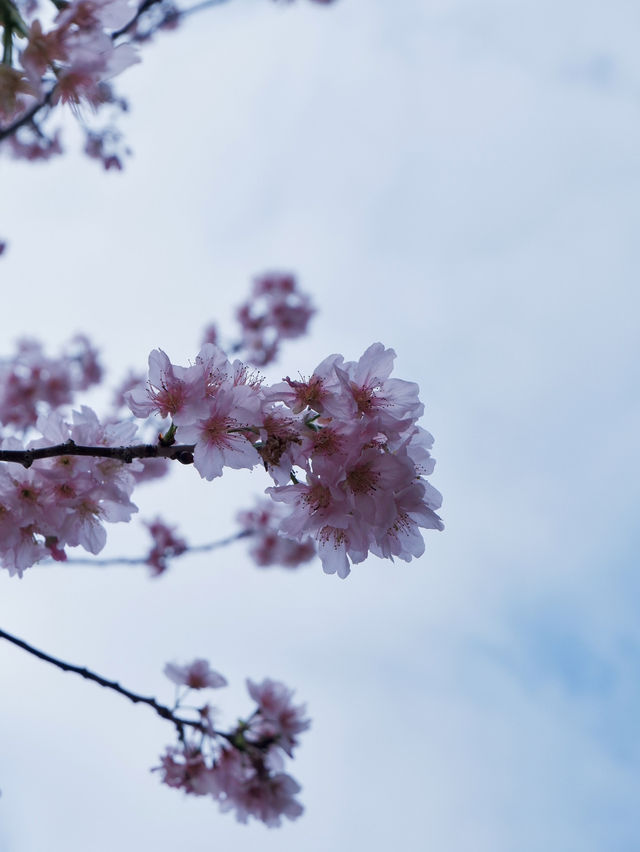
(195, 675)
(241, 769)
(63, 500)
(277, 717)
(363, 490)
(222, 435)
(185, 768)
(343, 448)
(242, 786)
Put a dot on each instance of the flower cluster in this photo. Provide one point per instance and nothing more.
(64, 500)
(32, 382)
(343, 448)
(241, 769)
(68, 59)
(68, 54)
(346, 437)
(276, 310)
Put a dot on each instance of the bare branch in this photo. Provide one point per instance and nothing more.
(143, 560)
(177, 452)
(160, 709)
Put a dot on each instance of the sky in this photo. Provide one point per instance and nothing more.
(458, 180)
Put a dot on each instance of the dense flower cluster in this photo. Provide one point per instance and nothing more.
(349, 431)
(63, 501)
(241, 769)
(342, 447)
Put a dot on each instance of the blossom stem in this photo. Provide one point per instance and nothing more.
(7, 42)
(143, 560)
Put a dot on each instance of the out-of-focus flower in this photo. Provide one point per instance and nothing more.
(269, 548)
(166, 545)
(195, 675)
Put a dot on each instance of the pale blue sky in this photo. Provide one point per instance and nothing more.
(458, 180)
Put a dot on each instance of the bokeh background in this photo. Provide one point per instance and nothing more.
(455, 178)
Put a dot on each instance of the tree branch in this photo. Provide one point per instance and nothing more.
(160, 709)
(177, 452)
(143, 560)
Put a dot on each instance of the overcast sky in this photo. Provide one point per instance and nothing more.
(460, 181)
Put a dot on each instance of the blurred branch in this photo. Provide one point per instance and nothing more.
(143, 560)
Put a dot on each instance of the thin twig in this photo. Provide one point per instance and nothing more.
(143, 560)
(160, 709)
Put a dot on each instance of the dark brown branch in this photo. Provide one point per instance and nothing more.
(177, 452)
(160, 709)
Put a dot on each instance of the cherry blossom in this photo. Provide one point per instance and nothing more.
(166, 545)
(195, 675)
(241, 769)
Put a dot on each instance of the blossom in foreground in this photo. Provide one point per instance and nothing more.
(343, 447)
(64, 500)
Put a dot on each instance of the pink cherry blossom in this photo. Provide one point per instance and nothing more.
(222, 437)
(195, 675)
(166, 545)
(277, 718)
(253, 792)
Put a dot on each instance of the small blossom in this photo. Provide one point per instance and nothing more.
(277, 718)
(195, 675)
(166, 545)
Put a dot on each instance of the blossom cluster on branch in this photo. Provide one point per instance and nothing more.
(68, 52)
(349, 430)
(343, 448)
(63, 501)
(241, 769)
(344, 451)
